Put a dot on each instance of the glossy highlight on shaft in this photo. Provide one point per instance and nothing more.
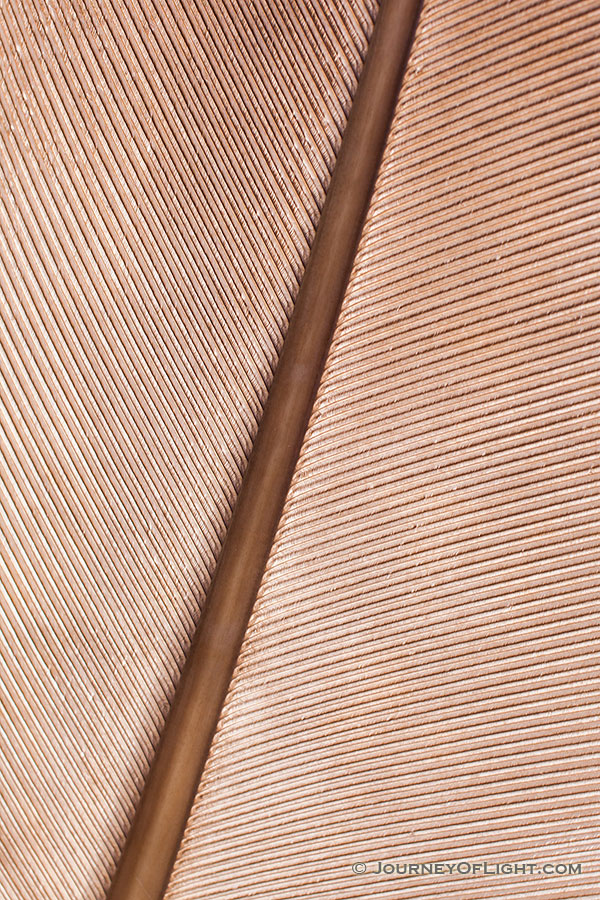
(157, 829)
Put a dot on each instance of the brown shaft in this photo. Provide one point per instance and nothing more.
(156, 832)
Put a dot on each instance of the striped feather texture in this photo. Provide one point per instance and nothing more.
(420, 678)
(162, 167)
